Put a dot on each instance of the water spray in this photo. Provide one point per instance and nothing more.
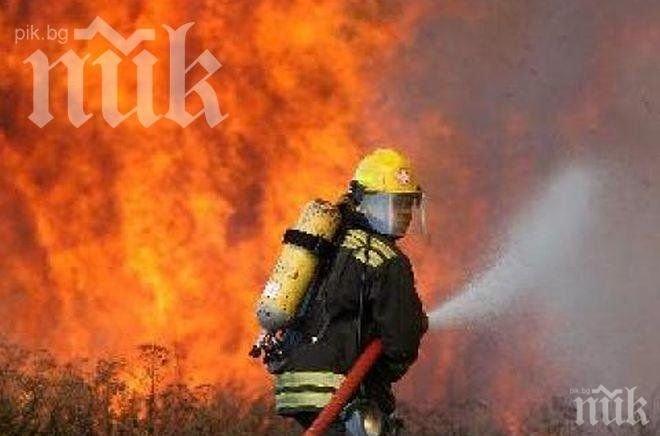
(536, 245)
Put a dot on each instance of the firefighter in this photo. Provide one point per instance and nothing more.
(363, 290)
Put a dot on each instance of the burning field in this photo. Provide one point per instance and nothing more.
(137, 253)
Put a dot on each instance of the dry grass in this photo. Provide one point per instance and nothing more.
(40, 396)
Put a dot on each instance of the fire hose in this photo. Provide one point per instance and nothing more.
(346, 390)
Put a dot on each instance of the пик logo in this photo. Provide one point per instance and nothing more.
(634, 407)
(109, 62)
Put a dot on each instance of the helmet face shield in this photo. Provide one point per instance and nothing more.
(394, 214)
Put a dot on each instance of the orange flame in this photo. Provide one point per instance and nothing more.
(163, 234)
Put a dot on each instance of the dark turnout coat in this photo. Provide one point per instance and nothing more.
(365, 289)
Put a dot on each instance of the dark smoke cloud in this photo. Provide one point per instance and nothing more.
(514, 92)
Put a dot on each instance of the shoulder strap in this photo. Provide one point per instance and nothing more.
(313, 243)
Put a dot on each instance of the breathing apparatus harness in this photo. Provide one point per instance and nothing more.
(275, 346)
(347, 206)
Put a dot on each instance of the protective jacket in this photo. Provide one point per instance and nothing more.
(364, 289)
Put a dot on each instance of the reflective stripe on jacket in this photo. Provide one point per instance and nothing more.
(305, 390)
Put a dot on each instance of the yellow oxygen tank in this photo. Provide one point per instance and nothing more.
(296, 265)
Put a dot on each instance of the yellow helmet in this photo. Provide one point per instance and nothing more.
(388, 171)
(386, 192)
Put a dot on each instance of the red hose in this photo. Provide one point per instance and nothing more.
(345, 391)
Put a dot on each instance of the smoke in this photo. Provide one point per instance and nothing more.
(583, 253)
(606, 294)
(543, 274)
